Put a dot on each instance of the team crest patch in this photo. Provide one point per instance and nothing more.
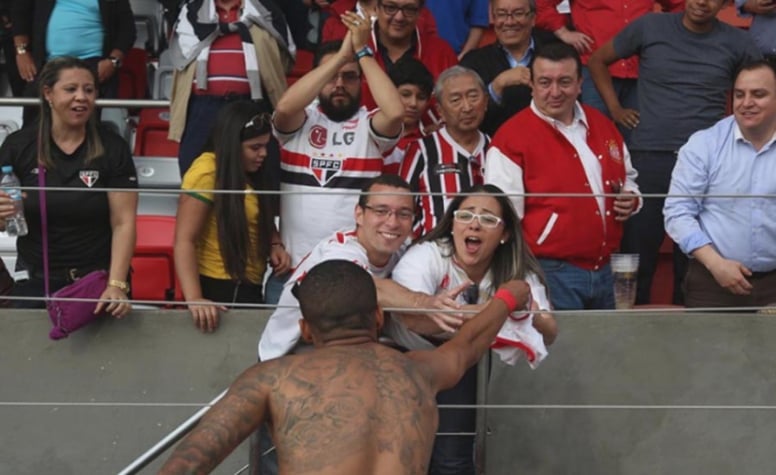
(614, 150)
(318, 136)
(89, 177)
(325, 169)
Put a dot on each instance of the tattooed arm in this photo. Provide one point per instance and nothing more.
(230, 421)
(447, 364)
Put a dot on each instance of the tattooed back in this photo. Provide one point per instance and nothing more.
(364, 409)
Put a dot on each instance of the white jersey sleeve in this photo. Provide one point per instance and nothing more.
(282, 331)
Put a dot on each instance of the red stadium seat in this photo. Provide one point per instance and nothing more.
(153, 263)
(303, 65)
(663, 283)
(151, 134)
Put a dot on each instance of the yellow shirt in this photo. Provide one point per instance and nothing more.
(202, 176)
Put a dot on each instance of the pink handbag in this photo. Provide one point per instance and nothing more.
(68, 316)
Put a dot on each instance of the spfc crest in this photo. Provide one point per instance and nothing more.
(614, 150)
(89, 177)
(325, 169)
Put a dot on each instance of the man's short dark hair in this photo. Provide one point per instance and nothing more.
(394, 181)
(329, 47)
(337, 295)
(557, 51)
(766, 63)
(408, 70)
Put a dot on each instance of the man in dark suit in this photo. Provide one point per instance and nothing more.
(503, 65)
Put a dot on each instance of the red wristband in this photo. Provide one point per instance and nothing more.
(507, 298)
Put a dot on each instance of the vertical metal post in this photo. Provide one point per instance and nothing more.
(480, 442)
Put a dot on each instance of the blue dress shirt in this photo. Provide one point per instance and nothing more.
(720, 161)
(763, 29)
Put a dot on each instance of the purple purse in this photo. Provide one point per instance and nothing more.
(70, 315)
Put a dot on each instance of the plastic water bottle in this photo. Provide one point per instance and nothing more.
(15, 225)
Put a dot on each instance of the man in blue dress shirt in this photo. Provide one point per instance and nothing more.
(732, 240)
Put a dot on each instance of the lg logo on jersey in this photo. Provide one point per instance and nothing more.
(319, 135)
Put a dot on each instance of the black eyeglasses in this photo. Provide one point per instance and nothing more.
(347, 77)
(392, 9)
(258, 121)
(386, 212)
(517, 15)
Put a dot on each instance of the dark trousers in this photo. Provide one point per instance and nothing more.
(645, 231)
(701, 290)
(228, 291)
(35, 287)
(454, 454)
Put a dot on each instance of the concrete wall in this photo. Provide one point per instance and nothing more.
(619, 394)
(637, 394)
(92, 403)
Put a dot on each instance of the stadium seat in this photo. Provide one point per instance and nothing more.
(662, 290)
(149, 19)
(302, 65)
(157, 173)
(7, 127)
(151, 134)
(118, 119)
(162, 87)
(153, 263)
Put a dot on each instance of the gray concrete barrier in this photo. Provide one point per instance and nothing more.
(93, 402)
(619, 394)
(641, 394)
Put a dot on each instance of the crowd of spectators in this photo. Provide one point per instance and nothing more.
(572, 116)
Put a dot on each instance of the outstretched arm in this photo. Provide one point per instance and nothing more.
(226, 424)
(447, 364)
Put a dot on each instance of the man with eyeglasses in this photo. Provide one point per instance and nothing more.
(559, 146)
(395, 35)
(596, 22)
(331, 145)
(503, 65)
(333, 29)
(449, 160)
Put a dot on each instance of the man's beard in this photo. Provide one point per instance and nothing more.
(340, 113)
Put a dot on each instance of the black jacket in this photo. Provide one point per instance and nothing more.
(31, 17)
(489, 61)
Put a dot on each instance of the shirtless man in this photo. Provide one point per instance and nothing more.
(351, 405)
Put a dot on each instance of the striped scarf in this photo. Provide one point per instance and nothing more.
(198, 27)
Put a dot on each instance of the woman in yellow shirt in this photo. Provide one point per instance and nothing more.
(223, 240)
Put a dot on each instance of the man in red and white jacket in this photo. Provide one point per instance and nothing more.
(559, 146)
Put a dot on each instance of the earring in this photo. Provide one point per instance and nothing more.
(502, 241)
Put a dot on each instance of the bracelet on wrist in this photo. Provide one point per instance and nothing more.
(119, 284)
(278, 244)
(507, 298)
